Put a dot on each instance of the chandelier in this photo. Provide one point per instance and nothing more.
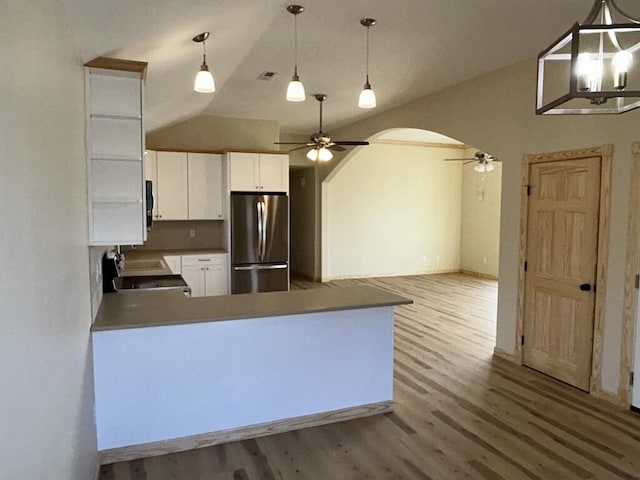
(590, 69)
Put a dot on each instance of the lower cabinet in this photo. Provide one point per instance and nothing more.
(175, 263)
(205, 274)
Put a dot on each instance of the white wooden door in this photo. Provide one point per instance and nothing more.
(172, 201)
(560, 280)
(274, 172)
(243, 172)
(194, 276)
(205, 186)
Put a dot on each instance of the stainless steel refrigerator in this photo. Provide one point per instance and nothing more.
(259, 243)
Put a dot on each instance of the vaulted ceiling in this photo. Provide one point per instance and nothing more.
(418, 47)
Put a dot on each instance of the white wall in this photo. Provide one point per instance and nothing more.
(480, 237)
(496, 113)
(393, 211)
(46, 378)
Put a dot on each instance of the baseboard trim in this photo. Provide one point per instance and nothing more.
(98, 466)
(617, 400)
(134, 452)
(504, 355)
(486, 276)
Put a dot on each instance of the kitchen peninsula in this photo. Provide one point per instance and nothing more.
(174, 373)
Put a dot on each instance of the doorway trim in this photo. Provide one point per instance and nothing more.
(630, 292)
(605, 152)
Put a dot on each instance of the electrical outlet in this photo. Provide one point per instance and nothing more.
(192, 233)
(364, 261)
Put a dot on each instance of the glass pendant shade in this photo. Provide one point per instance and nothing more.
(295, 90)
(324, 154)
(484, 167)
(312, 154)
(204, 82)
(367, 97)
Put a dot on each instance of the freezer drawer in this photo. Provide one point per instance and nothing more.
(259, 278)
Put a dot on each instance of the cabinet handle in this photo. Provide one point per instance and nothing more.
(219, 215)
(204, 259)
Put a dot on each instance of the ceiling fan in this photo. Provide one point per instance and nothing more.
(320, 142)
(484, 161)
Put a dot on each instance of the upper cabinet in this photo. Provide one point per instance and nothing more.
(173, 198)
(186, 186)
(115, 145)
(204, 172)
(258, 172)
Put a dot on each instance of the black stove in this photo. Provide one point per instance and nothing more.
(152, 282)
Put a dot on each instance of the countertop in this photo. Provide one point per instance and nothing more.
(153, 254)
(139, 309)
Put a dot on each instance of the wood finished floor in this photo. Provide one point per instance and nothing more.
(460, 413)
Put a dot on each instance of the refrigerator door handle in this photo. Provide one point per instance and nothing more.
(264, 231)
(260, 267)
(260, 227)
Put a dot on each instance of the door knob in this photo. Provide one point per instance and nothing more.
(585, 287)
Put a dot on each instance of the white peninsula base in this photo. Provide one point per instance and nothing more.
(175, 387)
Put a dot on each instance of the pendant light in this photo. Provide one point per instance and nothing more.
(295, 90)
(367, 96)
(204, 82)
(588, 69)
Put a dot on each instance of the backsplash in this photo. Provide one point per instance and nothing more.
(176, 235)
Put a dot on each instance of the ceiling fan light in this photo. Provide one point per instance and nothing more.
(367, 97)
(324, 154)
(480, 168)
(204, 82)
(312, 154)
(295, 90)
(489, 168)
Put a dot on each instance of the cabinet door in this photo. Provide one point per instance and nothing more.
(216, 279)
(243, 172)
(205, 186)
(194, 276)
(274, 172)
(172, 202)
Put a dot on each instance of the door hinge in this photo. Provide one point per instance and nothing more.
(631, 378)
(522, 340)
(595, 288)
(638, 281)
(528, 187)
(526, 265)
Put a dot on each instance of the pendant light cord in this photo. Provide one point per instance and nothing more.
(295, 45)
(368, 54)
(204, 52)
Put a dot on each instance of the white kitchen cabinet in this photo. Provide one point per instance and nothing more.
(204, 172)
(172, 201)
(258, 172)
(206, 274)
(115, 143)
(175, 263)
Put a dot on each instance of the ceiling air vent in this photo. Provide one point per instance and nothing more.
(266, 75)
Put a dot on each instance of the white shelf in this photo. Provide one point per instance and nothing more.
(123, 200)
(118, 158)
(116, 116)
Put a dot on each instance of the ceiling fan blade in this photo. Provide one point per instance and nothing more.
(290, 143)
(298, 148)
(470, 161)
(460, 159)
(350, 143)
(337, 148)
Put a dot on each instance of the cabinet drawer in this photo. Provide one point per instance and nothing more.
(209, 259)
